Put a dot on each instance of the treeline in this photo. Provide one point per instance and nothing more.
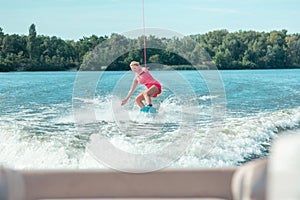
(238, 50)
(43, 53)
(251, 49)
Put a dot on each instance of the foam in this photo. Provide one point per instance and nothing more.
(59, 145)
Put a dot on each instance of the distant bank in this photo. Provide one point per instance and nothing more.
(220, 48)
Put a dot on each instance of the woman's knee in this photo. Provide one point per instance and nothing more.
(146, 93)
(139, 97)
(150, 92)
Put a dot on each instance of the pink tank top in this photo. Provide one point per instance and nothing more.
(145, 77)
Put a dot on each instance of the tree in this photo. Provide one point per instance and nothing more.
(293, 50)
(31, 42)
(223, 60)
(276, 49)
(1, 38)
(249, 59)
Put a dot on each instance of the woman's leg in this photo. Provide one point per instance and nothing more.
(146, 95)
(139, 100)
(149, 93)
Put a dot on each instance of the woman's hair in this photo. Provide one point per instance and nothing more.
(134, 63)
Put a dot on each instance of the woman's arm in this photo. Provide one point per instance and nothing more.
(133, 86)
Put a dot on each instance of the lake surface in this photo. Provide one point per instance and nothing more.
(48, 119)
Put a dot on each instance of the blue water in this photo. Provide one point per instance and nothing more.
(41, 114)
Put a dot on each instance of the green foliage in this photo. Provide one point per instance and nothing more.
(238, 50)
(252, 50)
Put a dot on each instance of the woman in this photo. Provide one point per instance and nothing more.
(143, 76)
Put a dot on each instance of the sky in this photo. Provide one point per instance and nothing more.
(75, 19)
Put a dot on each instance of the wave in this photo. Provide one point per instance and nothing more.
(243, 139)
(26, 145)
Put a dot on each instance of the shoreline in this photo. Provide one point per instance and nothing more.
(168, 68)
